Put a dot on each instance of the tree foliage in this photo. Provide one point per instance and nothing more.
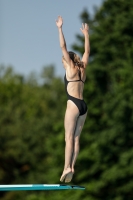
(109, 92)
(31, 128)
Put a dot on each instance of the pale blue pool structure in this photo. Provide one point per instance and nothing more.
(25, 187)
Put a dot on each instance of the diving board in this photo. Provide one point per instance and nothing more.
(25, 187)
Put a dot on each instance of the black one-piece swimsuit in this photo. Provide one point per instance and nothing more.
(80, 103)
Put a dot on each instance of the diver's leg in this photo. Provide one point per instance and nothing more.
(70, 122)
(78, 129)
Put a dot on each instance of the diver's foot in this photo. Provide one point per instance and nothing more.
(65, 173)
(69, 176)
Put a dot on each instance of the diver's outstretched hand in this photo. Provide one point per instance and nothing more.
(85, 28)
(59, 22)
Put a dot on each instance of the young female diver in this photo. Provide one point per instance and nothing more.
(76, 110)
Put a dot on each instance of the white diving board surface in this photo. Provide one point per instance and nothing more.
(24, 187)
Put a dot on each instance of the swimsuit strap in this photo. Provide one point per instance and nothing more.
(75, 80)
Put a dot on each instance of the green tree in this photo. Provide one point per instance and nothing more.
(109, 93)
(31, 128)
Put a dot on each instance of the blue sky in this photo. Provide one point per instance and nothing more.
(29, 36)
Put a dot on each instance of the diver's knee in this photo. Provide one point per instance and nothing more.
(69, 138)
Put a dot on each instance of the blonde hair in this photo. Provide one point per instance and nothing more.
(75, 58)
